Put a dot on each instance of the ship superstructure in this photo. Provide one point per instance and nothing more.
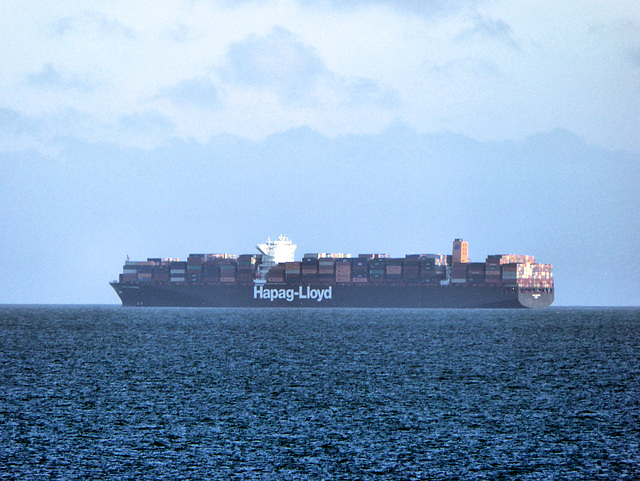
(273, 253)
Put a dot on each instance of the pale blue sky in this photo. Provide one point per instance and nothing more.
(160, 129)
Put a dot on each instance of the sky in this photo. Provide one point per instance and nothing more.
(157, 129)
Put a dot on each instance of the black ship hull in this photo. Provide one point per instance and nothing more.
(335, 295)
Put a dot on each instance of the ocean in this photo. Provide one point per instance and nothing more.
(91, 392)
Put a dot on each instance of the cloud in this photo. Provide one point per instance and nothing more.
(363, 91)
(198, 91)
(146, 128)
(277, 60)
(634, 54)
(486, 28)
(628, 31)
(92, 21)
(49, 77)
(465, 70)
(182, 33)
(251, 68)
(21, 134)
(11, 121)
(431, 8)
(48, 132)
(280, 62)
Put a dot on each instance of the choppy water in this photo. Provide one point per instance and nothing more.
(91, 392)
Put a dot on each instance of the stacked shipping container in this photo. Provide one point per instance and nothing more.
(343, 271)
(178, 272)
(327, 270)
(359, 270)
(411, 270)
(292, 271)
(276, 274)
(507, 271)
(310, 269)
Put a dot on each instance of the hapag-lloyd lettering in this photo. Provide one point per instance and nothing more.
(290, 294)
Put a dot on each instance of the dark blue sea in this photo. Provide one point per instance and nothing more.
(143, 393)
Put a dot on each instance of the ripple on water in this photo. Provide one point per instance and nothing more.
(319, 394)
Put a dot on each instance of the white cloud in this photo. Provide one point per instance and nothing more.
(485, 69)
(485, 28)
(50, 78)
(91, 22)
(277, 60)
(634, 54)
(199, 92)
(431, 8)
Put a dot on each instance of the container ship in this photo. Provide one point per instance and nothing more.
(271, 278)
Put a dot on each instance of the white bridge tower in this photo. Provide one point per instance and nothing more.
(274, 252)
